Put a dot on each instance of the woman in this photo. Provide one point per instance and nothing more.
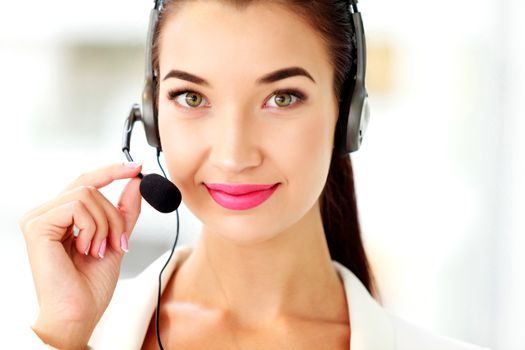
(286, 269)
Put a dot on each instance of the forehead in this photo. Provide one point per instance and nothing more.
(211, 37)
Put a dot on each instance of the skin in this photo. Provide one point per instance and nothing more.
(257, 278)
(264, 270)
(73, 301)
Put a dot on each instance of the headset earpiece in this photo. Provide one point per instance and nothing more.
(353, 108)
(149, 113)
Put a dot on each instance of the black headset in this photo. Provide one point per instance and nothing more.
(164, 196)
(353, 106)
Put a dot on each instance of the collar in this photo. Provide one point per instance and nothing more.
(371, 328)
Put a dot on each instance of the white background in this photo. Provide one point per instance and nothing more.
(440, 176)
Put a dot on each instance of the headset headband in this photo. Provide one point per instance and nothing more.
(354, 112)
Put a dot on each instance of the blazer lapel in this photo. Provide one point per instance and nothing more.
(370, 326)
(126, 320)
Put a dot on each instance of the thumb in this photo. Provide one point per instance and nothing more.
(129, 204)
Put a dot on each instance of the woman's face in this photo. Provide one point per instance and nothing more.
(226, 122)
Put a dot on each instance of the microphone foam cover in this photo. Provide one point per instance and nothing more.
(160, 193)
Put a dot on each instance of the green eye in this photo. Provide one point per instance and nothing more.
(283, 99)
(193, 99)
(186, 98)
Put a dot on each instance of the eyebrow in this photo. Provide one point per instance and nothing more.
(272, 77)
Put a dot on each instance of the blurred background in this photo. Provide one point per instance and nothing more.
(440, 177)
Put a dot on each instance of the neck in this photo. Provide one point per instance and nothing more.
(289, 275)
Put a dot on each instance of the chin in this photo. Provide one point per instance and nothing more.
(244, 231)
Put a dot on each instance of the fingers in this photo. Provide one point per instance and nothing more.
(94, 179)
(110, 223)
(120, 220)
(129, 206)
(106, 224)
(104, 176)
(55, 222)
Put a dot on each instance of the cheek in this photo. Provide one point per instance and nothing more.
(304, 152)
(180, 146)
(296, 151)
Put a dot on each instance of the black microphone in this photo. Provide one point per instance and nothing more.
(160, 193)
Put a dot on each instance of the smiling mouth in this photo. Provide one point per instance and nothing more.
(240, 196)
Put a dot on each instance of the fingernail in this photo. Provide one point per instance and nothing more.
(87, 249)
(76, 230)
(102, 249)
(132, 164)
(124, 242)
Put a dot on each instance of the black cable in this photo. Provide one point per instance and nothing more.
(157, 310)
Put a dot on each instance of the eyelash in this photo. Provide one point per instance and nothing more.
(301, 97)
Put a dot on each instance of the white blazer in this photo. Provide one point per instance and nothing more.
(135, 299)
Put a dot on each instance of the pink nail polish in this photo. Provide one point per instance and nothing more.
(102, 249)
(132, 164)
(86, 252)
(124, 242)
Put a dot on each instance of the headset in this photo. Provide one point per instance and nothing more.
(354, 110)
(354, 114)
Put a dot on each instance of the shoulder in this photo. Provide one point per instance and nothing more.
(411, 337)
(375, 327)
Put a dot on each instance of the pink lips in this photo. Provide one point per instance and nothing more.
(240, 197)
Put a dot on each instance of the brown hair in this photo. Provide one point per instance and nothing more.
(332, 19)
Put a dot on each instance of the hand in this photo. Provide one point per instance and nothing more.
(75, 277)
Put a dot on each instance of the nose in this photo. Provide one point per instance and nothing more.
(235, 146)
